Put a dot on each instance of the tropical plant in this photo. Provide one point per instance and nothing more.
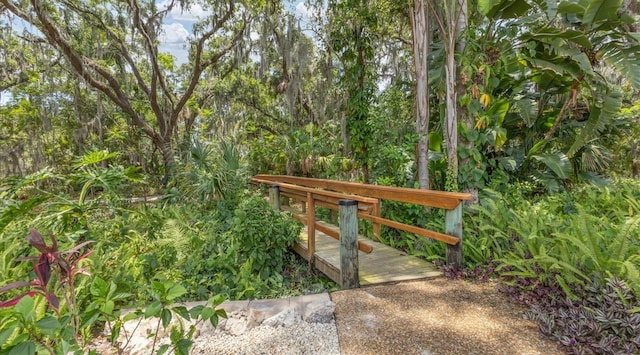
(27, 328)
(565, 239)
(539, 90)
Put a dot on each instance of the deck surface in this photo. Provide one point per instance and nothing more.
(384, 264)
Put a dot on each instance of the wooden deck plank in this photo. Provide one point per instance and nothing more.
(383, 265)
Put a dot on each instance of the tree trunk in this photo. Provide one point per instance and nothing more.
(420, 26)
(452, 20)
(451, 124)
(167, 158)
(462, 112)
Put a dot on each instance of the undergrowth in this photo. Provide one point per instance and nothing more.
(602, 318)
(573, 258)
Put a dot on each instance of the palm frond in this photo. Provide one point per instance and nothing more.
(625, 60)
(595, 158)
(600, 116)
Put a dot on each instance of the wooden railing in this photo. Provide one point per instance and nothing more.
(328, 193)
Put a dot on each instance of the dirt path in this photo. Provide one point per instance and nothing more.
(434, 317)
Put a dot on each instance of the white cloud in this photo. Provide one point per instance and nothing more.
(302, 10)
(173, 40)
(173, 33)
(306, 14)
(194, 13)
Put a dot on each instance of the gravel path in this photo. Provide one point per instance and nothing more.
(419, 317)
(299, 338)
(434, 317)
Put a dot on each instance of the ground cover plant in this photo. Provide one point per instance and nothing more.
(143, 256)
(572, 257)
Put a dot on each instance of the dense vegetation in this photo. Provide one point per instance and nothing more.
(530, 105)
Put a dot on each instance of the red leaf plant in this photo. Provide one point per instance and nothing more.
(51, 259)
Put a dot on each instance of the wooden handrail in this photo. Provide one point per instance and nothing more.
(333, 194)
(327, 193)
(431, 198)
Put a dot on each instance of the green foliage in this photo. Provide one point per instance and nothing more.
(550, 102)
(150, 254)
(601, 320)
(212, 176)
(261, 236)
(566, 238)
(60, 329)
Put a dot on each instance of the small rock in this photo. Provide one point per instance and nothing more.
(236, 323)
(256, 317)
(319, 312)
(285, 318)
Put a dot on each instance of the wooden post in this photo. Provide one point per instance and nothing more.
(311, 227)
(274, 197)
(376, 226)
(453, 226)
(348, 210)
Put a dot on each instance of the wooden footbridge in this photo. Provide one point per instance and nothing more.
(340, 253)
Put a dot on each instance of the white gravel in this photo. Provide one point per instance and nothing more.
(299, 338)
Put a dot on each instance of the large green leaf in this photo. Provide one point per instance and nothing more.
(498, 110)
(558, 163)
(28, 347)
(577, 56)
(176, 291)
(560, 66)
(601, 10)
(597, 121)
(568, 7)
(486, 6)
(501, 9)
(551, 34)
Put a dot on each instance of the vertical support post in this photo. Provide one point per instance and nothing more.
(274, 197)
(453, 226)
(376, 226)
(311, 227)
(348, 211)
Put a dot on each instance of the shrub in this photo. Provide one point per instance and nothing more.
(261, 235)
(602, 319)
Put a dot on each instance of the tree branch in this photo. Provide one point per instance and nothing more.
(112, 35)
(79, 64)
(156, 72)
(199, 66)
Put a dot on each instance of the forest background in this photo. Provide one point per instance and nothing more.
(532, 106)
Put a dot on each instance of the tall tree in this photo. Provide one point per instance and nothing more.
(352, 40)
(422, 34)
(451, 19)
(135, 75)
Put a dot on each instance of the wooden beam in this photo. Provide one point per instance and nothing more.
(336, 195)
(274, 197)
(449, 239)
(439, 199)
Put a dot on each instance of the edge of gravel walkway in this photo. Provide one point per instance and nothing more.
(437, 316)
